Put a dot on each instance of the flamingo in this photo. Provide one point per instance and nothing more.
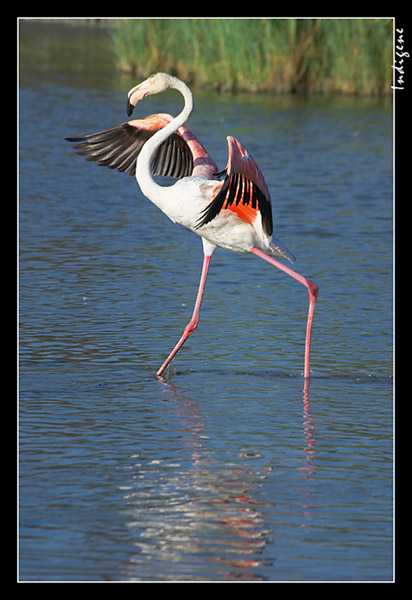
(234, 214)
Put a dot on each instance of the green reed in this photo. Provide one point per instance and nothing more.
(261, 55)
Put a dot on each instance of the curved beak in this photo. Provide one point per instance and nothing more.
(129, 108)
(135, 95)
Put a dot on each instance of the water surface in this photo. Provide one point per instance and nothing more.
(228, 470)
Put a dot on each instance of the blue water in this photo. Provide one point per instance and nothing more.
(229, 470)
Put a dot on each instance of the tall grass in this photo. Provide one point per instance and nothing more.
(270, 55)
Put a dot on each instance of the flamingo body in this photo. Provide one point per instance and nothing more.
(192, 196)
(234, 214)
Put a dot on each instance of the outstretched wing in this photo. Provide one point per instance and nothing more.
(119, 147)
(244, 190)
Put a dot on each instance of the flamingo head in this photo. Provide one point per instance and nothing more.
(155, 84)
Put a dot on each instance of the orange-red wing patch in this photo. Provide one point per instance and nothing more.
(246, 213)
(244, 190)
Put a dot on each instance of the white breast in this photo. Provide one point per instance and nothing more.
(184, 202)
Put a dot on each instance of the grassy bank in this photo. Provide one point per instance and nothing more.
(261, 55)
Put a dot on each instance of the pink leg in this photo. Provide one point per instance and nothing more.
(191, 326)
(313, 293)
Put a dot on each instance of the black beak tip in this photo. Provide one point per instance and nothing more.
(129, 108)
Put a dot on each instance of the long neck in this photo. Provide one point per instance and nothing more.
(152, 190)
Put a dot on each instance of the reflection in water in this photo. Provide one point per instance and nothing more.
(307, 460)
(208, 513)
(308, 429)
(201, 512)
